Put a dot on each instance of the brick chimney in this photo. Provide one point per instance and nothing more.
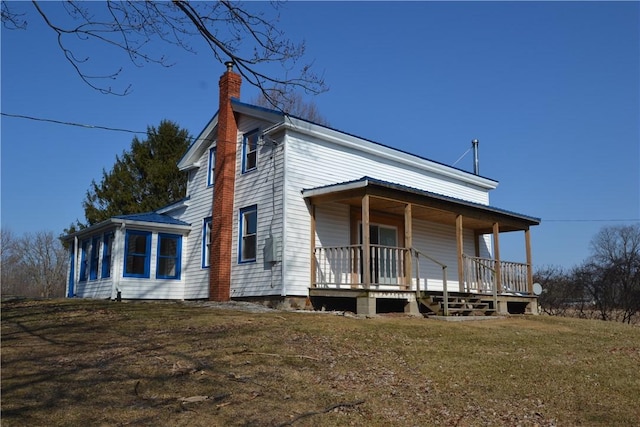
(222, 214)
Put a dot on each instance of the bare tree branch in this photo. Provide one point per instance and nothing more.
(231, 31)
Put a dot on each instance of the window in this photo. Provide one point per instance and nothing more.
(212, 166)
(169, 251)
(137, 254)
(84, 260)
(95, 258)
(107, 247)
(250, 151)
(206, 241)
(248, 234)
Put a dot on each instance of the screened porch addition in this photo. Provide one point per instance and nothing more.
(404, 240)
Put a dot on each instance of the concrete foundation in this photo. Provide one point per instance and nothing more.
(366, 306)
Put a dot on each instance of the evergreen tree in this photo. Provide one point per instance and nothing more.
(142, 179)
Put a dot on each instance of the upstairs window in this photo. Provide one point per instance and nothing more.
(95, 258)
(248, 234)
(107, 247)
(169, 256)
(212, 167)
(250, 151)
(206, 242)
(137, 254)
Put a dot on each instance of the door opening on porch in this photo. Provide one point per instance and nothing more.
(384, 253)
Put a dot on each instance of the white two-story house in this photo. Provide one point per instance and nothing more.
(286, 211)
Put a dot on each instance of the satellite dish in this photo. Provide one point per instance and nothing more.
(537, 288)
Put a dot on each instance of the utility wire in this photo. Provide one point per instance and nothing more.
(591, 220)
(460, 158)
(60, 122)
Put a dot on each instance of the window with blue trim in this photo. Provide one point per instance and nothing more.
(84, 260)
(212, 166)
(248, 245)
(107, 247)
(137, 254)
(250, 151)
(95, 258)
(169, 255)
(206, 242)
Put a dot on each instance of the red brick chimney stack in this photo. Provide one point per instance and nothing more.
(222, 214)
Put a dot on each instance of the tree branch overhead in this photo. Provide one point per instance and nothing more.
(231, 31)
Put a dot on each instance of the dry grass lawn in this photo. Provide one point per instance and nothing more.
(101, 363)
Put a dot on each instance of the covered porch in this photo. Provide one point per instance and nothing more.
(452, 267)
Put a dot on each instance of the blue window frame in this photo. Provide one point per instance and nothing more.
(212, 166)
(84, 260)
(206, 242)
(248, 244)
(169, 256)
(137, 251)
(107, 247)
(250, 151)
(95, 258)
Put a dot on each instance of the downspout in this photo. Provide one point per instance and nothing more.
(283, 243)
(117, 260)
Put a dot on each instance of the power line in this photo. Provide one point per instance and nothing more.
(86, 126)
(60, 122)
(592, 220)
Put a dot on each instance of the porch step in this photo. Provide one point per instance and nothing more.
(459, 305)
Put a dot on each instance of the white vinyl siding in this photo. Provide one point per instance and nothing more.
(312, 163)
(262, 188)
(194, 275)
(150, 288)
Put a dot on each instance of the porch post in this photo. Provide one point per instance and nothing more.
(527, 240)
(366, 243)
(313, 246)
(460, 249)
(496, 255)
(408, 244)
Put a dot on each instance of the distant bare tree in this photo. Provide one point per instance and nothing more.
(293, 104)
(33, 265)
(559, 292)
(615, 268)
(11, 275)
(236, 31)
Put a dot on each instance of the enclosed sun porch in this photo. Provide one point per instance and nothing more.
(378, 246)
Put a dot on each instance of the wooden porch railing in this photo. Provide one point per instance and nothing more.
(341, 267)
(416, 254)
(480, 275)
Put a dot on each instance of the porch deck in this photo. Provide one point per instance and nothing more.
(488, 286)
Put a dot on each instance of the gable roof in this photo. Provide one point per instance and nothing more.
(207, 136)
(281, 120)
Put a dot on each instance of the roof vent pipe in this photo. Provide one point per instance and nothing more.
(476, 167)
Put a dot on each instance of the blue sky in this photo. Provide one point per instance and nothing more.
(551, 90)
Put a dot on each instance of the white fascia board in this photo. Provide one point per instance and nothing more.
(113, 223)
(335, 188)
(155, 226)
(191, 157)
(174, 206)
(377, 149)
(256, 112)
(104, 225)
